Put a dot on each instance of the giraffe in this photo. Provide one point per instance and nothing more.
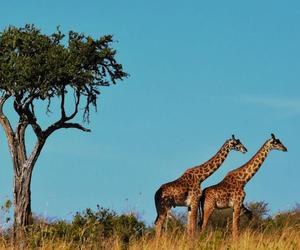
(186, 191)
(229, 193)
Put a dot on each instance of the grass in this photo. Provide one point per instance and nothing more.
(105, 229)
(284, 239)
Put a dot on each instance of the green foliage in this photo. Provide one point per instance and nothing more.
(176, 222)
(5, 210)
(259, 210)
(38, 66)
(260, 215)
(289, 218)
(106, 223)
(7, 205)
(88, 228)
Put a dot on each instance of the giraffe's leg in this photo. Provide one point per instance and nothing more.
(247, 212)
(207, 209)
(193, 212)
(192, 219)
(236, 217)
(161, 218)
(162, 209)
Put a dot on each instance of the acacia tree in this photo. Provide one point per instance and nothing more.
(35, 67)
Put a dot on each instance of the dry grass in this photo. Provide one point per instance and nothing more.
(104, 229)
(248, 240)
(284, 239)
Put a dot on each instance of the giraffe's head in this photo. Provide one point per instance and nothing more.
(235, 144)
(275, 143)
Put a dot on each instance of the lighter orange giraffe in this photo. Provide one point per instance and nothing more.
(186, 191)
(230, 191)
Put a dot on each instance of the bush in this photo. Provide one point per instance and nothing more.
(176, 222)
(89, 228)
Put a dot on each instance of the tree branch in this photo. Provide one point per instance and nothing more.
(5, 122)
(29, 99)
(63, 121)
(64, 117)
(75, 125)
(10, 135)
(77, 100)
(20, 133)
(18, 105)
(3, 99)
(62, 104)
(25, 110)
(57, 126)
(30, 163)
(28, 116)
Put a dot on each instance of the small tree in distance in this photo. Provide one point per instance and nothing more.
(36, 67)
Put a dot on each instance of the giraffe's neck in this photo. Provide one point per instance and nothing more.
(247, 171)
(206, 169)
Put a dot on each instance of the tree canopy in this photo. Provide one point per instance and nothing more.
(36, 66)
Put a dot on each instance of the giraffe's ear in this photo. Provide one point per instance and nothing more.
(273, 136)
(233, 137)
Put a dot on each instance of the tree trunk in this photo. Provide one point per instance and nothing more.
(22, 199)
(22, 181)
(23, 169)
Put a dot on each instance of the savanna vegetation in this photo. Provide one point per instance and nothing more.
(105, 229)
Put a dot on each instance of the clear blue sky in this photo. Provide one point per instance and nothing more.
(200, 71)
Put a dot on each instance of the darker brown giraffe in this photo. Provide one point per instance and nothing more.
(230, 191)
(186, 191)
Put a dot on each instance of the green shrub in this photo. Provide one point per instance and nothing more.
(87, 228)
